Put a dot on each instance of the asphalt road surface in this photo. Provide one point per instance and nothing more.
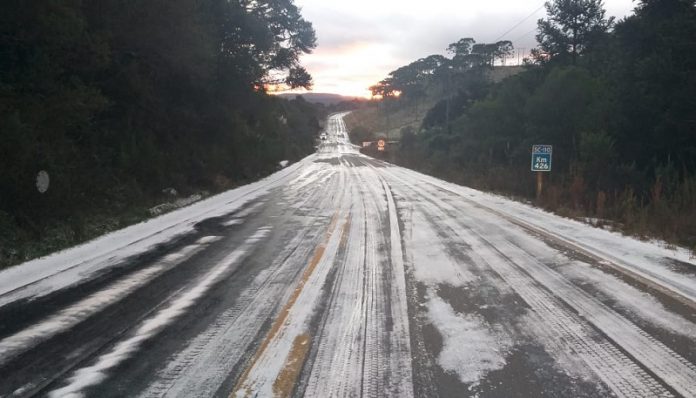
(344, 276)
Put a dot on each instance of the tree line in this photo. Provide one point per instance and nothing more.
(614, 98)
(118, 100)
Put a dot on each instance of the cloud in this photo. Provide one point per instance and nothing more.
(361, 41)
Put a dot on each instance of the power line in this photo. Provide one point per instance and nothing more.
(525, 35)
(521, 22)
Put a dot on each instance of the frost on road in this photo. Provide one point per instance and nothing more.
(345, 276)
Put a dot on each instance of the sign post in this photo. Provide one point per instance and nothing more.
(541, 163)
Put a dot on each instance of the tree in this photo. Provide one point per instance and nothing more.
(298, 77)
(462, 47)
(568, 102)
(486, 54)
(654, 77)
(118, 100)
(261, 41)
(383, 89)
(572, 27)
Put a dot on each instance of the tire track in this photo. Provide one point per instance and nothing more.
(209, 359)
(261, 377)
(338, 367)
(364, 344)
(616, 369)
(670, 367)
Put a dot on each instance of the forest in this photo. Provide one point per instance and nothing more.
(119, 104)
(614, 98)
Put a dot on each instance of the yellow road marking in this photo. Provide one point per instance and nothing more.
(282, 316)
(344, 234)
(285, 382)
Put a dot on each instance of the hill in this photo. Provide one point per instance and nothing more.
(321, 98)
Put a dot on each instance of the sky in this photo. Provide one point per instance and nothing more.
(360, 41)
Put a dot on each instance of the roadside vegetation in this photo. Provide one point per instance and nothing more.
(118, 101)
(614, 98)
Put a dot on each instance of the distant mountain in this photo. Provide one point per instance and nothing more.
(321, 98)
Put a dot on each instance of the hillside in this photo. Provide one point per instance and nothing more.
(322, 98)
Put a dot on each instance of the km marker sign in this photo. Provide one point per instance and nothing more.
(541, 163)
(541, 157)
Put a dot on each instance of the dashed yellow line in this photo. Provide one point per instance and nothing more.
(344, 234)
(278, 323)
(285, 383)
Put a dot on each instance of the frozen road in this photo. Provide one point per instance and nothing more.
(344, 276)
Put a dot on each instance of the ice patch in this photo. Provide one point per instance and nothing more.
(471, 348)
(249, 210)
(564, 359)
(78, 312)
(239, 217)
(632, 299)
(293, 321)
(92, 375)
(233, 221)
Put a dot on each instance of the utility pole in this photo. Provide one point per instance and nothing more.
(386, 127)
(518, 57)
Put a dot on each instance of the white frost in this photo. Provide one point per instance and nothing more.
(647, 259)
(630, 298)
(96, 373)
(78, 312)
(66, 268)
(470, 348)
(431, 264)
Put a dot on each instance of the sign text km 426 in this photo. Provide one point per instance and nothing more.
(541, 157)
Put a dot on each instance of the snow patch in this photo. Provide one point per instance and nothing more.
(565, 360)
(431, 264)
(92, 375)
(232, 221)
(57, 271)
(628, 297)
(269, 361)
(169, 206)
(78, 312)
(643, 258)
(471, 348)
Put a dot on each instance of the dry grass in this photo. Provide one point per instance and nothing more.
(666, 213)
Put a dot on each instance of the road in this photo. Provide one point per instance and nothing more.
(344, 276)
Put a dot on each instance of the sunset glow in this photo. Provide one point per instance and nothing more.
(361, 41)
(350, 69)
